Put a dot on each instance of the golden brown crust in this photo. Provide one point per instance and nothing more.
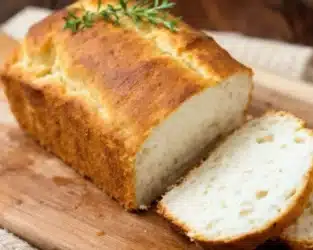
(273, 229)
(93, 97)
(55, 120)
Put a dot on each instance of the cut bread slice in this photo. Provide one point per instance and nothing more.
(299, 236)
(252, 186)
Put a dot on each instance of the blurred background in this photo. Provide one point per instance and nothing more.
(287, 20)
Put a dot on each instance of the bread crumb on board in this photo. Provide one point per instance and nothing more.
(100, 233)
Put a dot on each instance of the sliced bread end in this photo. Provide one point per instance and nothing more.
(253, 186)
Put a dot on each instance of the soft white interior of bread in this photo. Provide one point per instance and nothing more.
(247, 183)
(186, 132)
(302, 230)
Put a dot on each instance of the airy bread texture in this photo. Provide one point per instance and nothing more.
(251, 187)
(127, 106)
(299, 236)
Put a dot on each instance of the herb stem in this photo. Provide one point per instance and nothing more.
(154, 13)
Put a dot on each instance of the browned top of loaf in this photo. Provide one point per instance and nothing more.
(136, 77)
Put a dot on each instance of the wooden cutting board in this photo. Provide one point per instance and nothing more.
(48, 204)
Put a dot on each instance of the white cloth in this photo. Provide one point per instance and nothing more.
(10, 242)
(278, 57)
(18, 25)
(281, 58)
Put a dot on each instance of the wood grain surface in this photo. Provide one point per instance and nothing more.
(48, 204)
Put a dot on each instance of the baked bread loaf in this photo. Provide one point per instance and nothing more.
(127, 106)
(252, 186)
(299, 236)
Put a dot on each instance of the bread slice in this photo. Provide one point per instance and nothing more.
(299, 236)
(251, 187)
(127, 106)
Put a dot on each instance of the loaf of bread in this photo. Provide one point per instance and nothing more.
(252, 186)
(128, 106)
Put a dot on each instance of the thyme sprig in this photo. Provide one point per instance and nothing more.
(155, 12)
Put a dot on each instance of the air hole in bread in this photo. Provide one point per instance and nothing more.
(261, 194)
(212, 224)
(275, 207)
(251, 221)
(265, 139)
(245, 211)
(299, 140)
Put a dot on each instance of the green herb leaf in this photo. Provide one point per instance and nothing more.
(99, 5)
(72, 22)
(154, 12)
(123, 4)
(88, 19)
